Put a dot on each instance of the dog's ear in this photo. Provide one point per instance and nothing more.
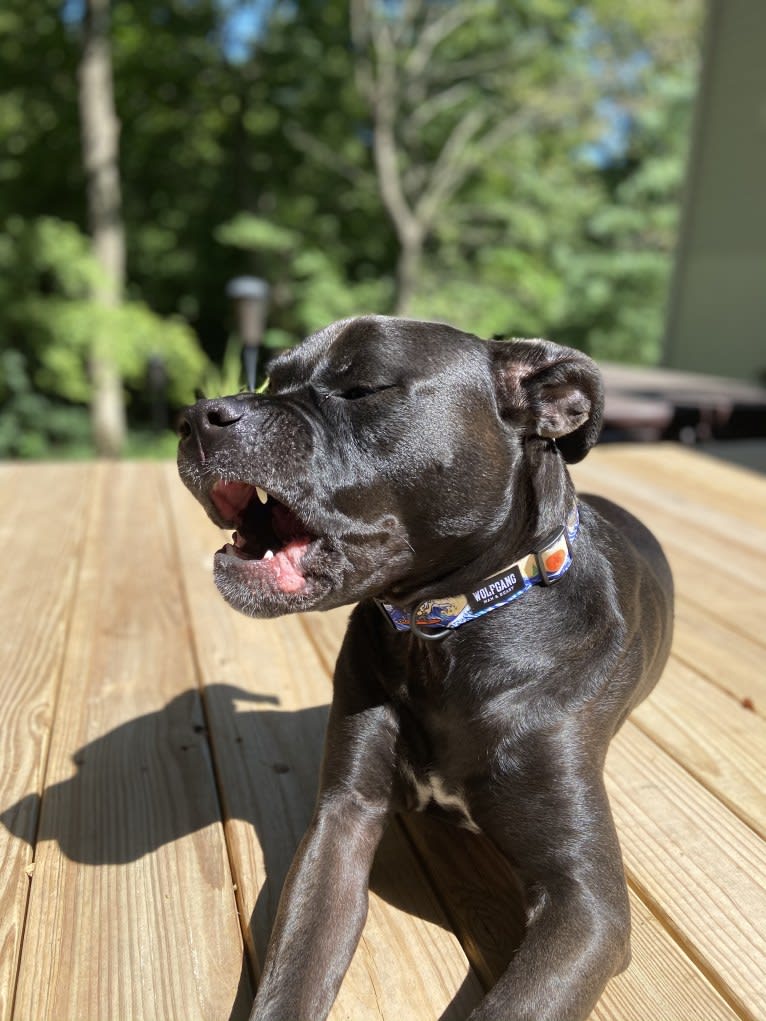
(554, 391)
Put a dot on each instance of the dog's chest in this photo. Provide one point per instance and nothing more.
(428, 789)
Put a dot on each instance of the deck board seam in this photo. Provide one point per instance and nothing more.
(476, 964)
(666, 749)
(733, 626)
(699, 670)
(687, 947)
(626, 485)
(248, 945)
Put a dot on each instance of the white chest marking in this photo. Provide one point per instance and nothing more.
(433, 789)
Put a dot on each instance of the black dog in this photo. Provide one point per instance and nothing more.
(504, 629)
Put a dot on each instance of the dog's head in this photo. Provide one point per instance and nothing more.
(385, 455)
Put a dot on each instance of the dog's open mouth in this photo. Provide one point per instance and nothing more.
(269, 535)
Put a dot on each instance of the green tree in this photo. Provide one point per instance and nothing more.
(48, 316)
(450, 87)
(549, 199)
(48, 319)
(535, 153)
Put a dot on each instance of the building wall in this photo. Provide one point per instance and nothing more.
(717, 310)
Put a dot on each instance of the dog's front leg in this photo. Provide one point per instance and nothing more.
(553, 820)
(321, 914)
(323, 905)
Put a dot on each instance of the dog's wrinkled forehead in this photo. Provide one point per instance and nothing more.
(369, 349)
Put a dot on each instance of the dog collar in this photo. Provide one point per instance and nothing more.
(544, 566)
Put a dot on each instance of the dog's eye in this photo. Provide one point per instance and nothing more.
(356, 393)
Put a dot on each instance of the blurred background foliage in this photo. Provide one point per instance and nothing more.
(511, 166)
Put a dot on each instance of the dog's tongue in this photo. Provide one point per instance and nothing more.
(286, 565)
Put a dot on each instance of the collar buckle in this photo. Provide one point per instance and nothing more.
(549, 577)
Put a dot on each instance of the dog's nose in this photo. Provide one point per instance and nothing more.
(205, 420)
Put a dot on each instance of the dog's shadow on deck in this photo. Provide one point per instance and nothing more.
(151, 781)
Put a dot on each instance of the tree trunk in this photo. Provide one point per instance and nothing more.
(100, 140)
(408, 268)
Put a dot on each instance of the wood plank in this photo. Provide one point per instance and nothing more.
(662, 983)
(36, 585)
(709, 569)
(132, 912)
(709, 633)
(478, 889)
(731, 660)
(678, 497)
(712, 572)
(717, 740)
(714, 482)
(699, 868)
(267, 693)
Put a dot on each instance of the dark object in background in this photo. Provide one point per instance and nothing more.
(657, 404)
(251, 298)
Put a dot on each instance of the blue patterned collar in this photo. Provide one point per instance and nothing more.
(435, 618)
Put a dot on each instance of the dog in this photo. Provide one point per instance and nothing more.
(503, 631)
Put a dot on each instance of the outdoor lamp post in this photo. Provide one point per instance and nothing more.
(251, 298)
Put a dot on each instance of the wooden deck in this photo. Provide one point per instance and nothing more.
(158, 760)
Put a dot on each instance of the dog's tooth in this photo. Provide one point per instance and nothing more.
(268, 554)
(263, 496)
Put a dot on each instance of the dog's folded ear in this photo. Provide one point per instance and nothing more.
(555, 392)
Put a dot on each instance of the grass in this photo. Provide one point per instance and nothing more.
(141, 445)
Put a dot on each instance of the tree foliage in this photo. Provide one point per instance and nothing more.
(534, 150)
(49, 318)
